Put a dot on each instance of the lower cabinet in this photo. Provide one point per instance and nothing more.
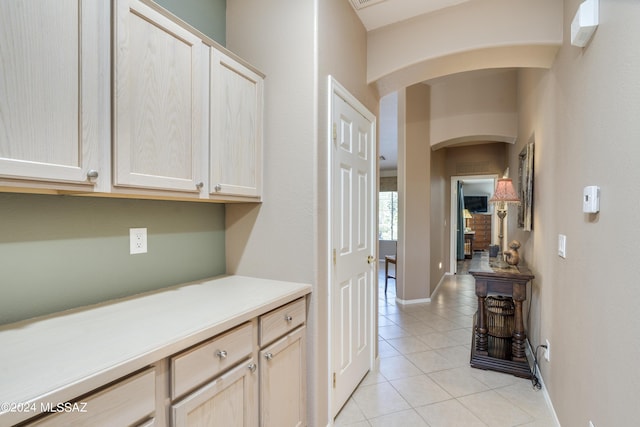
(252, 374)
(230, 400)
(283, 382)
(129, 402)
(218, 382)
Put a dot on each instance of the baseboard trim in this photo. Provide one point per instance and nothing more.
(435, 291)
(545, 393)
(412, 301)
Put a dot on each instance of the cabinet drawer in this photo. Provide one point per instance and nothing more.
(280, 321)
(128, 402)
(201, 363)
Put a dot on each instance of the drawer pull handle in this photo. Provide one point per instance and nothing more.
(268, 356)
(288, 318)
(252, 367)
(221, 354)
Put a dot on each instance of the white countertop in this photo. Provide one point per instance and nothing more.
(61, 356)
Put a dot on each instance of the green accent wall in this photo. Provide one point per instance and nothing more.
(208, 16)
(61, 252)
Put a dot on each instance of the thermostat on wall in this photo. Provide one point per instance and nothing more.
(591, 199)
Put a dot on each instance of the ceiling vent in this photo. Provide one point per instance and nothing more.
(361, 4)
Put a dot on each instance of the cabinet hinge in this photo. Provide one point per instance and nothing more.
(334, 380)
(335, 132)
(334, 257)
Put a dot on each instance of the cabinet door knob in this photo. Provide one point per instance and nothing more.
(218, 187)
(252, 367)
(92, 174)
(288, 318)
(200, 185)
(268, 356)
(221, 354)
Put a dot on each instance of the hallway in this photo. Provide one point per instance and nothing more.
(424, 378)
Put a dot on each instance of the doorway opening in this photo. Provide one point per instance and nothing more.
(479, 186)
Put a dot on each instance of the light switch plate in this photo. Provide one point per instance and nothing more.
(562, 245)
(591, 199)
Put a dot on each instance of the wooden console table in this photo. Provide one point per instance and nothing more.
(509, 281)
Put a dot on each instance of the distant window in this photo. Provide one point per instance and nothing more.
(388, 216)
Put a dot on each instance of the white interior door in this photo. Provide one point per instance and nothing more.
(354, 249)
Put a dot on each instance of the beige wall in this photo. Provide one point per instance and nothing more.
(474, 107)
(584, 115)
(439, 237)
(481, 159)
(413, 281)
(287, 236)
(469, 36)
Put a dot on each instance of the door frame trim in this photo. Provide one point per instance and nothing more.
(334, 87)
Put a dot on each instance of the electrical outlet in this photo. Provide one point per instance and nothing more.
(547, 352)
(137, 241)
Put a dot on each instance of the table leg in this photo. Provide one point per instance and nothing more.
(519, 335)
(481, 328)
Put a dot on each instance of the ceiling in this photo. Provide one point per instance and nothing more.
(378, 13)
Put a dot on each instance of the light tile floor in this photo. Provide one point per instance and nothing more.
(424, 377)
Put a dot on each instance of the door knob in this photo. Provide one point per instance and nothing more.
(370, 259)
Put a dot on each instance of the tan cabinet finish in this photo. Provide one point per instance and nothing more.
(158, 89)
(157, 357)
(283, 382)
(278, 322)
(144, 107)
(236, 128)
(129, 402)
(54, 108)
(195, 366)
(230, 401)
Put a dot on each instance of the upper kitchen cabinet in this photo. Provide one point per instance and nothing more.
(236, 128)
(54, 95)
(158, 95)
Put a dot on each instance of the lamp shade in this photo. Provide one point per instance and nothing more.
(505, 192)
(467, 214)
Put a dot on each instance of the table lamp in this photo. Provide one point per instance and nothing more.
(467, 216)
(503, 195)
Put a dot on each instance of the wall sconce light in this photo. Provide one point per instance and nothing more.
(503, 195)
(585, 22)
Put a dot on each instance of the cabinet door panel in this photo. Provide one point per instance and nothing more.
(54, 89)
(230, 401)
(236, 128)
(158, 101)
(282, 382)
